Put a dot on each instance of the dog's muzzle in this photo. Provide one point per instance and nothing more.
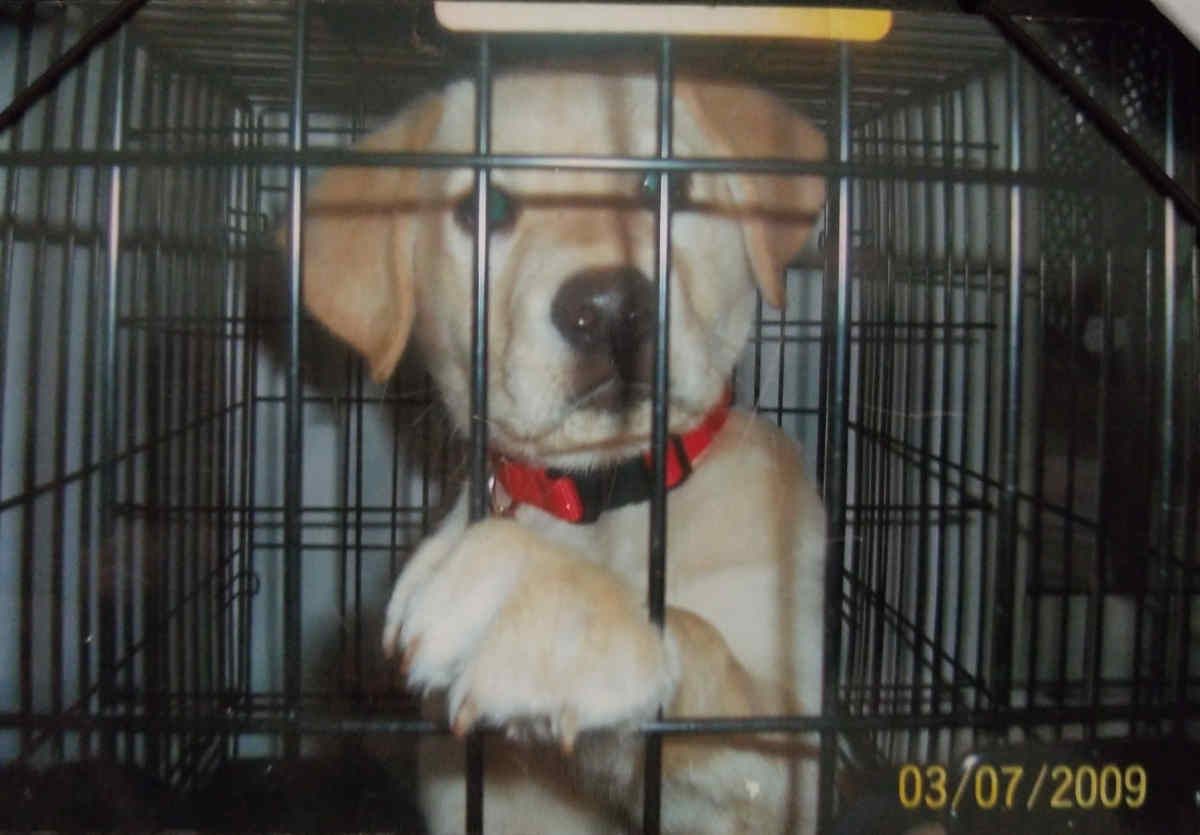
(607, 316)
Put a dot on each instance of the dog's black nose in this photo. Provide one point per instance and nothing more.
(608, 315)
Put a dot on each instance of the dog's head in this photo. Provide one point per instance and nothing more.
(388, 254)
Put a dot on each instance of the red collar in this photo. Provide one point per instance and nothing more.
(580, 497)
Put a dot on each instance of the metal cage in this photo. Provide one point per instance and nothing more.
(992, 360)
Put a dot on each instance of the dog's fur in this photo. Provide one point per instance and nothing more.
(531, 623)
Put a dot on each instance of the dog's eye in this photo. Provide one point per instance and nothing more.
(651, 183)
(501, 210)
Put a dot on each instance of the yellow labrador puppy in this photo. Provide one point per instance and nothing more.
(534, 620)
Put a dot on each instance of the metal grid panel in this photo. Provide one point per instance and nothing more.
(141, 581)
(931, 565)
(369, 56)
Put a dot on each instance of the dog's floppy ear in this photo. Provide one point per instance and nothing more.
(777, 212)
(358, 265)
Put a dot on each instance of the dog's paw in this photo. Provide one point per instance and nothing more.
(446, 599)
(527, 637)
(564, 655)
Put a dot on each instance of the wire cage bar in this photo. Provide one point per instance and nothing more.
(991, 361)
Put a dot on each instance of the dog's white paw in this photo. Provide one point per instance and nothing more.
(527, 637)
(444, 601)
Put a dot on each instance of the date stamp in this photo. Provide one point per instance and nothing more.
(1023, 786)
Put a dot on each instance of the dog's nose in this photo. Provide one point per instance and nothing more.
(609, 313)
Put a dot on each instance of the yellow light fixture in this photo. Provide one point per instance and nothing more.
(669, 19)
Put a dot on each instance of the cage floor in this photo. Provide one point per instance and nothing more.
(347, 793)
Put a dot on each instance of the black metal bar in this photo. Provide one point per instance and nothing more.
(657, 580)
(211, 552)
(171, 418)
(155, 265)
(155, 593)
(1010, 445)
(109, 402)
(885, 568)
(780, 378)
(97, 34)
(1191, 501)
(331, 725)
(1104, 122)
(293, 463)
(225, 194)
(1162, 578)
(89, 470)
(858, 651)
(1099, 586)
(326, 157)
(1069, 497)
(360, 464)
(358, 379)
(183, 282)
(479, 381)
(1144, 661)
(68, 304)
(479, 308)
(837, 461)
(661, 381)
(757, 366)
(12, 187)
(985, 542)
(966, 439)
(36, 422)
(910, 632)
(153, 364)
(827, 335)
(923, 415)
(904, 662)
(942, 608)
(249, 426)
(32, 607)
(1094, 617)
(1038, 589)
(92, 358)
(205, 554)
(352, 369)
(1033, 577)
(229, 282)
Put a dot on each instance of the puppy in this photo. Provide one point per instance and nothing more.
(534, 619)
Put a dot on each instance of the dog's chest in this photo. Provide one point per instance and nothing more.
(619, 540)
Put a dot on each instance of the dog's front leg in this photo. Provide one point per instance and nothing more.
(742, 784)
(524, 634)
